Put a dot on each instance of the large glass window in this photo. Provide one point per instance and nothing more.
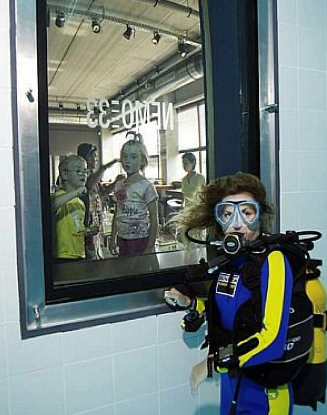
(119, 71)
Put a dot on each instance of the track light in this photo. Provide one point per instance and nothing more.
(128, 32)
(60, 19)
(96, 27)
(156, 38)
(183, 49)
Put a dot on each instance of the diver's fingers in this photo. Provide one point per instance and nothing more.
(170, 299)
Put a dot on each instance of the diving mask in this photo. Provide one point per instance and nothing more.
(236, 213)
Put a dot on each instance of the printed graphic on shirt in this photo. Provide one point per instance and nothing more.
(227, 284)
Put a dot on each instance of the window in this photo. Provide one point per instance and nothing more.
(119, 95)
(96, 99)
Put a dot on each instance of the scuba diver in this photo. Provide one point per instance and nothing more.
(250, 302)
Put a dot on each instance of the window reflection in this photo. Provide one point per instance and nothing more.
(106, 76)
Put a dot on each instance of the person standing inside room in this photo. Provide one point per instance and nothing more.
(135, 223)
(69, 210)
(193, 180)
(94, 198)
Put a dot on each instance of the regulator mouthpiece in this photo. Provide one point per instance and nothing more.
(233, 242)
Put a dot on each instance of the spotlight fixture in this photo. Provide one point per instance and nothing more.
(96, 27)
(128, 32)
(60, 19)
(156, 38)
(183, 49)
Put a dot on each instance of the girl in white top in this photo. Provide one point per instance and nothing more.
(135, 222)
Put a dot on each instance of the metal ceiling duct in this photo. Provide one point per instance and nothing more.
(170, 5)
(183, 73)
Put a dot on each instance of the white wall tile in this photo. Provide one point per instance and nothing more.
(145, 405)
(311, 163)
(37, 393)
(179, 401)
(288, 45)
(5, 15)
(312, 90)
(315, 202)
(290, 214)
(2, 302)
(6, 119)
(134, 334)
(176, 361)
(209, 396)
(4, 397)
(7, 191)
(289, 127)
(312, 49)
(86, 343)
(31, 355)
(104, 410)
(289, 171)
(312, 14)
(88, 385)
(5, 55)
(3, 353)
(169, 326)
(312, 131)
(7, 236)
(286, 11)
(9, 275)
(288, 87)
(136, 373)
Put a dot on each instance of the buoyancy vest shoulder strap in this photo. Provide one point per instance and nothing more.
(217, 335)
(251, 279)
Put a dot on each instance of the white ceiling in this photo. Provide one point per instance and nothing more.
(82, 64)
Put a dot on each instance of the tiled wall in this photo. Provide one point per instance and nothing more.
(138, 367)
(302, 33)
(142, 367)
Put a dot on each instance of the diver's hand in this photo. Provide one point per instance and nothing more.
(175, 298)
(199, 374)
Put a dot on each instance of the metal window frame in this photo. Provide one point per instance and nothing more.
(36, 317)
(269, 104)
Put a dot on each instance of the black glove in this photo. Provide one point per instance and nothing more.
(192, 321)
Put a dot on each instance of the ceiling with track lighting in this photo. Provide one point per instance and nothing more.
(103, 48)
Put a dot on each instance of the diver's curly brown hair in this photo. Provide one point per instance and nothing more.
(199, 213)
